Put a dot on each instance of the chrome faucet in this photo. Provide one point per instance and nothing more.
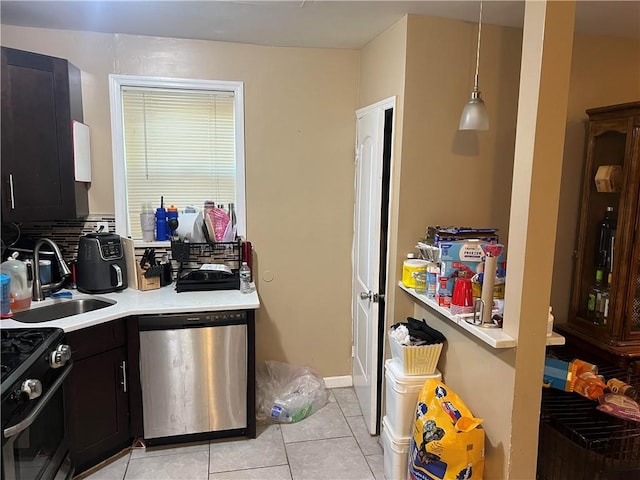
(39, 289)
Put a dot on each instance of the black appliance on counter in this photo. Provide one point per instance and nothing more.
(35, 362)
(101, 267)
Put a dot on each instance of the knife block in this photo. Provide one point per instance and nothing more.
(144, 283)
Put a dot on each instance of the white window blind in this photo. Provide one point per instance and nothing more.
(178, 144)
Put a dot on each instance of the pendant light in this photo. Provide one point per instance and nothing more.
(474, 115)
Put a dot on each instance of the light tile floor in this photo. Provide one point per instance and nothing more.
(333, 443)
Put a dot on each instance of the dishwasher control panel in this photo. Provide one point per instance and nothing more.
(192, 320)
(217, 316)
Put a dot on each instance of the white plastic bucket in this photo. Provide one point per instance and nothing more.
(401, 397)
(396, 454)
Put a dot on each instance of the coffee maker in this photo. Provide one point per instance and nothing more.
(101, 267)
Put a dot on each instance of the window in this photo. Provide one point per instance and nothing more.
(179, 140)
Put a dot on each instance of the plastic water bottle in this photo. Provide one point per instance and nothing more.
(280, 414)
(291, 410)
(245, 278)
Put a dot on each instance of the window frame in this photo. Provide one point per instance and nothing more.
(116, 83)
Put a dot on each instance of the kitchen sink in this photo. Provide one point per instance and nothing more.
(63, 309)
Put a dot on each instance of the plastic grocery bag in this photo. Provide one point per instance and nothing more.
(287, 394)
(447, 441)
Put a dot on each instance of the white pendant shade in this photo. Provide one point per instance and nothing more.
(474, 115)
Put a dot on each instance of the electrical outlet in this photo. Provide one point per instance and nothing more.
(104, 225)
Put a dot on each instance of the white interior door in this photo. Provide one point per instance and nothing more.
(367, 291)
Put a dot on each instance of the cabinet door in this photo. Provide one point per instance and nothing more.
(612, 141)
(40, 98)
(631, 313)
(96, 408)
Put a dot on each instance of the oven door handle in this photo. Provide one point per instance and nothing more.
(27, 421)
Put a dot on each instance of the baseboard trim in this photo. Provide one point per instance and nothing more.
(338, 382)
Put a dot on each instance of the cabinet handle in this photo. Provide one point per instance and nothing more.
(13, 198)
(124, 376)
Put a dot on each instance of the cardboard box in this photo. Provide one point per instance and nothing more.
(467, 256)
(609, 178)
(557, 374)
(452, 234)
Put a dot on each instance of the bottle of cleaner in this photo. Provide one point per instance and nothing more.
(20, 287)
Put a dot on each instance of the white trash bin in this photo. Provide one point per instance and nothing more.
(401, 396)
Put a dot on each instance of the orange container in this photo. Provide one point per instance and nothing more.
(589, 385)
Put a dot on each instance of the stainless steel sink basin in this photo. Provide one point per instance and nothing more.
(63, 309)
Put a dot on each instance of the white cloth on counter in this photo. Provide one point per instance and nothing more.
(401, 333)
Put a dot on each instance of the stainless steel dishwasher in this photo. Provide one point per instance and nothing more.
(193, 374)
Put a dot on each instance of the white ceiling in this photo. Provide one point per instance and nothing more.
(303, 23)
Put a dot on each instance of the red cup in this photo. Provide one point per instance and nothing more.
(462, 299)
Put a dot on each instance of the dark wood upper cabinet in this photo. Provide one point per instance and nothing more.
(613, 139)
(41, 96)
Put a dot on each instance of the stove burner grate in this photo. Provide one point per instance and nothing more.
(22, 342)
(19, 344)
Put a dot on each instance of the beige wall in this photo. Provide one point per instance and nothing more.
(542, 112)
(299, 131)
(382, 75)
(312, 93)
(597, 64)
(437, 169)
(604, 71)
(451, 177)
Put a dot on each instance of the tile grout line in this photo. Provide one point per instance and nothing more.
(355, 438)
(341, 409)
(320, 439)
(286, 453)
(361, 451)
(127, 467)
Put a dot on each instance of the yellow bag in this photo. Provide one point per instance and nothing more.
(447, 442)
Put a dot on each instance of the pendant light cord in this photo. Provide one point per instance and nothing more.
(475, 83)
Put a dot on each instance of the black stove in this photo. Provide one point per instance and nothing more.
(20, 348)
(34, 363)
(17, 345)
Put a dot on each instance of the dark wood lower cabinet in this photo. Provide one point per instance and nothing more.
(96, 394)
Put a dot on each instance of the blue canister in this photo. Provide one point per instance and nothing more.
(162, 232)
(5, 300)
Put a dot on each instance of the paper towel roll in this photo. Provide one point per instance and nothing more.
(488, 282)
(190, 227)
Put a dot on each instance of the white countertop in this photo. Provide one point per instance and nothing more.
(494, 337)
(136, 302)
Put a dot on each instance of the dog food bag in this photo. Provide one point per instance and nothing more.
(447, 441)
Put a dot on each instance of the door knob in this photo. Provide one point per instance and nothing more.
(366, 295)
(377, 297)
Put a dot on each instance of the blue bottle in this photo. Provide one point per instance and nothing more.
(162, 232)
